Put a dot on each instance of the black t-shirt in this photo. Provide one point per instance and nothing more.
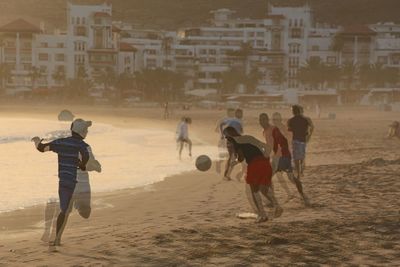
(299, 125)
(249, 151)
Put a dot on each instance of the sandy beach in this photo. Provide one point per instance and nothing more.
(352, 180)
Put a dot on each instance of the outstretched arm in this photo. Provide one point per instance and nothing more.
(39, 145)
(310, 129)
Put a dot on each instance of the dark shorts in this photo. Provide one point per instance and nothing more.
(65, 193)
(285, 164)
(183, 140)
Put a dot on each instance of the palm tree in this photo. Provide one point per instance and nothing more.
(279, 76)
(35, 74)
(313, 73)
(59, 77)
(253, 79)
(5, 74)
(349, 73)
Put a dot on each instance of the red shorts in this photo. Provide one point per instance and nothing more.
(259, 171)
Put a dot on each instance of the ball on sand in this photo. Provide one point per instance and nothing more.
(203, 163)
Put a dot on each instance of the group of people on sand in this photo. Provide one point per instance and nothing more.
(266, 158)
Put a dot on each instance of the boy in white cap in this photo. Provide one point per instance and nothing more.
(72, 153)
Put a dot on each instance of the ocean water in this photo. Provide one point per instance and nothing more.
(129, 157)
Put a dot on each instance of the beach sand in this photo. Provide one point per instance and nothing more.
(352, 180)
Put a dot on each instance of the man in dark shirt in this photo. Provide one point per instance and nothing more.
(259, 171)
(302, 129)
(72, 154)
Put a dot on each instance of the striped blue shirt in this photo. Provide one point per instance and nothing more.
(72, 153)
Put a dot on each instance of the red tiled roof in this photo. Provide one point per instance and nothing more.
(102, 14)
(21, 26)
(125, 47)
(357, 29)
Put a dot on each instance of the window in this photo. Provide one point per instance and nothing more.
(259, 43)
(315, 48)
(60, 57)
(72, 20)
(97, 21)
(43, 69)
(382, 60)
(60, 45)
(83, 21)
(44, 44)
(80, 31)
(27, 45)
(296, 33)
(212, 51)
(331, 60)
(43, 57)
(78, 20)
(151, 63)
(10, 44)
(203, 52)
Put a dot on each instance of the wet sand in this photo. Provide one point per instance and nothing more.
(352, 180)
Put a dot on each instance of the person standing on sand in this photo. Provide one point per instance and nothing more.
(72, 153)
(166, 110)
(282, 159)
(183, 135)
(394, 130)
(259, 171)
(302, 129)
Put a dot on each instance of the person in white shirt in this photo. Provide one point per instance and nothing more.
(183, 136)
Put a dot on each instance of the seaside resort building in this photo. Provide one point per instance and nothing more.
(282, 42)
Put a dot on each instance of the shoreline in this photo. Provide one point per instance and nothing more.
(189, 219)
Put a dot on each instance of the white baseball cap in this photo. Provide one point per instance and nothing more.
(80, 126)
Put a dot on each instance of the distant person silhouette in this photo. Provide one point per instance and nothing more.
(72, 153)
(182, 133)
(394, 130)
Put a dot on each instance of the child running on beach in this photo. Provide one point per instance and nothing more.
(259, 171)
(72, 153)
(182, 132)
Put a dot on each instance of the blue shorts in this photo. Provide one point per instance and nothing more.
(299, 150)
(284, 165)
(65, 193)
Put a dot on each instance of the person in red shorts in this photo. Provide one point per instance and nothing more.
(259, 171)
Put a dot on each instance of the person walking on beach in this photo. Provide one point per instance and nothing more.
(72, 153)
(302, 129)
(166, 110)
(282, 158)
(183, 135)
(259, 172)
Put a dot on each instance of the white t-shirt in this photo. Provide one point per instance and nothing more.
(183, 131)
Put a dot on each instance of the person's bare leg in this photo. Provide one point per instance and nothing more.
(296, 180)
(268, 192)
(49, 216)
(283, 184)
(256, 202)
(190, 147)
(180, 149)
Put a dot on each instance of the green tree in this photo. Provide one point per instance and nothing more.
(253, 79)
(279, 77)
(349, 74)
(5, 74)
(35, 74)
(313, 73)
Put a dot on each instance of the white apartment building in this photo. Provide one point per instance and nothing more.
(281, 41)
